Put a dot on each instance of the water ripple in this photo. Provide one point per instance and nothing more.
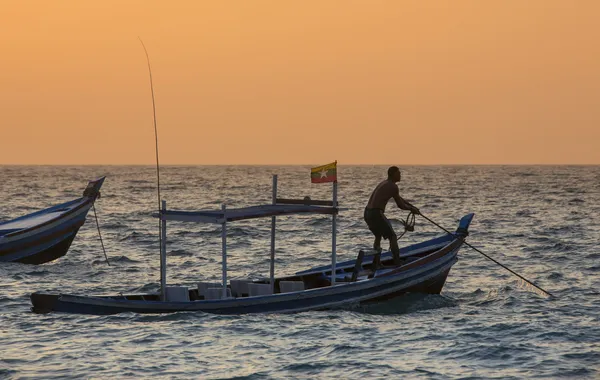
(540, 221)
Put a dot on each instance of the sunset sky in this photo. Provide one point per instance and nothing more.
(301, 82)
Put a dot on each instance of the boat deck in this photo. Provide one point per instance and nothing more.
(32, 221)
(38, 218)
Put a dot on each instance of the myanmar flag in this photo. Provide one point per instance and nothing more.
(325, 173)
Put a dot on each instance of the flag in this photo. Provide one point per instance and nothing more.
(325, 173)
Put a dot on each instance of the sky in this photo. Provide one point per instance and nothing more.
(300, 82)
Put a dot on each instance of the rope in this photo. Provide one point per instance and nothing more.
(409, 224)
(489, 258)
(99, 233)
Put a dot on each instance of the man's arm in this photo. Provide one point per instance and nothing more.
(404, 205)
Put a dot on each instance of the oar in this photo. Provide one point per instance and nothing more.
(488, 257)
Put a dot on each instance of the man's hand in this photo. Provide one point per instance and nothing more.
(404, 205)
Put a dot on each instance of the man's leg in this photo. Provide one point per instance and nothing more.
(377, 248)
(373, 228)
(377, 243)
(395, 249)
(388, 233)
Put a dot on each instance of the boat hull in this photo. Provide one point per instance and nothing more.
(45, 243)
(427, 276)
(52, 253)
(433, 286)
(46, 235)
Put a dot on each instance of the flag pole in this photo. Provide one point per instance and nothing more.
(163, 253)
(334, 231)
(224, 249)
(273, 221)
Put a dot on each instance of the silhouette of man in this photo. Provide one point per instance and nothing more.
(375, 212)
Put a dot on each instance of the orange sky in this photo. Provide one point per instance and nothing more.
(301, 82)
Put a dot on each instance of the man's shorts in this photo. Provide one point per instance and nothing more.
(378, 223)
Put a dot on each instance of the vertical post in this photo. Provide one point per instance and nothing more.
(224, 250)
(163, 254)
(272, 271)
(333, 235)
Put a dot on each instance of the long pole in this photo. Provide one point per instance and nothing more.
(224, 250)
(155, 127)
(489, 258)
(333, 235)
(156, 149)
(273, 221)
(163, 254)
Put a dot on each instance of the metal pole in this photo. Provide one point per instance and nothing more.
(272, 277)
(163, 254)
(333, 235)
(224, 250)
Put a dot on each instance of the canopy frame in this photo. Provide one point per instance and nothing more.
(278, 207)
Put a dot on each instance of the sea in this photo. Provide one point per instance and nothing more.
(542, 222)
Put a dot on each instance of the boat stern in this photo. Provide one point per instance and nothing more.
(43, 303)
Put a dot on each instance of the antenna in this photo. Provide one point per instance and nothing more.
(156, 141)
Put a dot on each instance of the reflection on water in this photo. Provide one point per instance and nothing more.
(541, 221)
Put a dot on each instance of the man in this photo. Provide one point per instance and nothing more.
(374, 213)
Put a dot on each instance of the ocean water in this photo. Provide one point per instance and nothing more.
(542, 222)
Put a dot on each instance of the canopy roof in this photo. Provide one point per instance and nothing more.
(252, 212)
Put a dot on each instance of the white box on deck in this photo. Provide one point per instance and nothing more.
(216, 293)
(259, 290)
(291, 286)
(177, 294)
(203, 286)
(240, 287)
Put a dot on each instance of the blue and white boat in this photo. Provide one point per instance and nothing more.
(340, 285)
(46, 235)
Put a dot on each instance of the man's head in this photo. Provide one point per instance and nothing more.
(394, 174)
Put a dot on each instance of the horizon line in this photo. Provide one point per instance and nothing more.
(315, 164)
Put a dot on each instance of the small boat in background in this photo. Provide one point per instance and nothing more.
(46, 235)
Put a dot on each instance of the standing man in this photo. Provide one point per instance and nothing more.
(374, 212)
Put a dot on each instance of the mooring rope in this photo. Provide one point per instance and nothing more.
(99, 233)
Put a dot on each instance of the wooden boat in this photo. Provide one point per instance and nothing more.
(46, 235)
(341, 285)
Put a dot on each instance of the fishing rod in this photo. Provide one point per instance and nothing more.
(155, 128)
(488, 257)
(160, 237)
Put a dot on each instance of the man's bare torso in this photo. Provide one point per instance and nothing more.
(382, 194)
